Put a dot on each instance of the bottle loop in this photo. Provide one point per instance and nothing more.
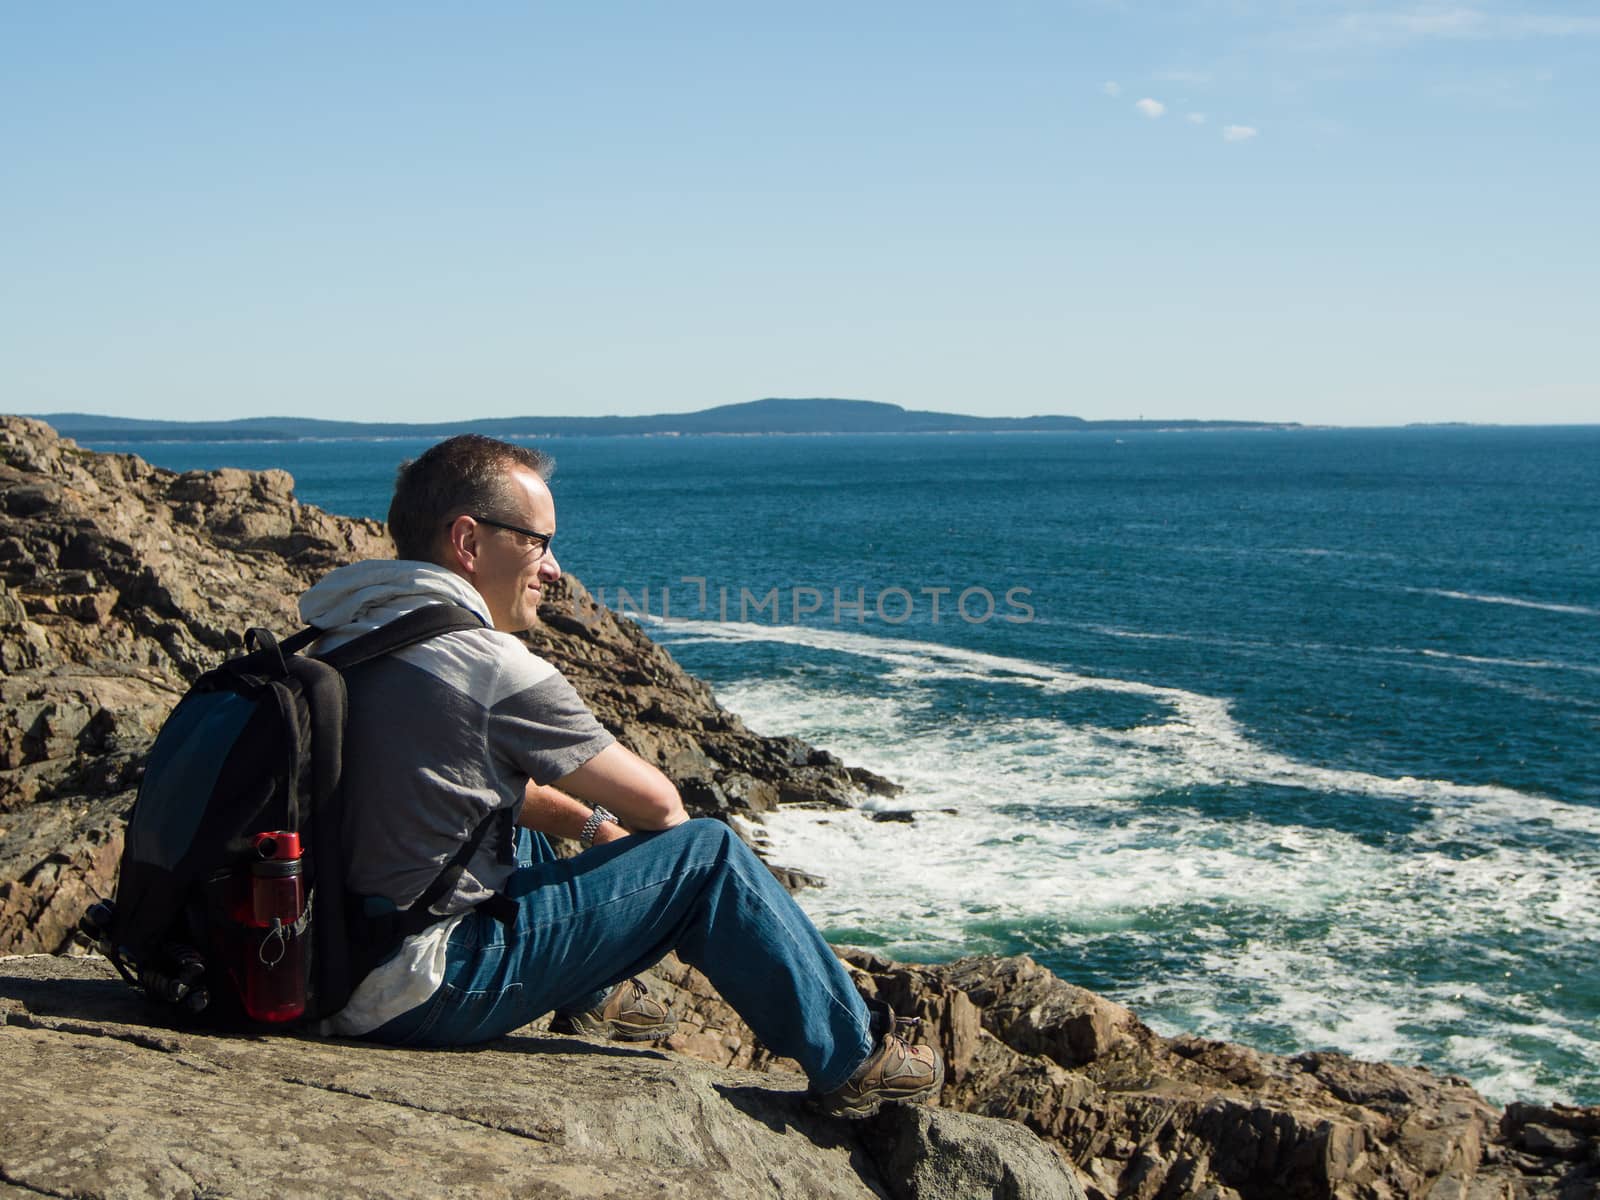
(277, 938)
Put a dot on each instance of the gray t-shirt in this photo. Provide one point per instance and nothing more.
(441, 736)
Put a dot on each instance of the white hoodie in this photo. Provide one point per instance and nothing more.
(364, 595)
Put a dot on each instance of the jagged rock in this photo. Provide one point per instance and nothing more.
(796, 880)
(55, 864)
(1558, 1141)
(1144, 1117)
(98, 1103)
(996, 1160)
(749, 793)
(872, 782)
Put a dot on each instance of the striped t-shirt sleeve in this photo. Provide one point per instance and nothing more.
(538, 723)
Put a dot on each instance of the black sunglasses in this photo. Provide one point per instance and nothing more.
(539, 540)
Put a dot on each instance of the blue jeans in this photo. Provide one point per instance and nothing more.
(587, 923)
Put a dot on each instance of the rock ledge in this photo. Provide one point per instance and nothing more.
(97, 1104)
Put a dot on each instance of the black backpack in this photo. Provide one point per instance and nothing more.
(247, 765)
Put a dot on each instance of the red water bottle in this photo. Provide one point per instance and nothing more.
(275, 961)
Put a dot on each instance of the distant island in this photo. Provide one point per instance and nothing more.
(770, 416)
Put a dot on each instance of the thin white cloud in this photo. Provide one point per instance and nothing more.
(1505, 91)
(1402, 25)
(1195, 118)
(1238, 133)
(1536, 25)
(1196, 78)
(1420, 23)
(1150, 108)
(1111, 88)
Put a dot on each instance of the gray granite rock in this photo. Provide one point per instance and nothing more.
(94, 1102)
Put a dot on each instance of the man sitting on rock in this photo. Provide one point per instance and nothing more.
(470, 727)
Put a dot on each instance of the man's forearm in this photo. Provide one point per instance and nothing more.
(552, 812)
(621, 781)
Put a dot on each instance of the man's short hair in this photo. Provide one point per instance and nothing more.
(462, 474)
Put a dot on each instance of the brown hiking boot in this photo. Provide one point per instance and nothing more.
(898, 1072)
(629, 1013)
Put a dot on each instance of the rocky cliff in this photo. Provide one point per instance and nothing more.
(119, 582)
(1145, 1117)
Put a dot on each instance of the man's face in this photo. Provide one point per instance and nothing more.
(505, 566)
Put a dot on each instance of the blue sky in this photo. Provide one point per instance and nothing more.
(1324, 211)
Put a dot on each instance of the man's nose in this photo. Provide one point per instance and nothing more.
(549, 568)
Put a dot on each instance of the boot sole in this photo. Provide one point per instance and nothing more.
(614, 1030)
(870, 1105)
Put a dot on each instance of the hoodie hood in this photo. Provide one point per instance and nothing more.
(365, 595)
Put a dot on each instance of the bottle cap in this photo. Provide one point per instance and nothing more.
(280, 844)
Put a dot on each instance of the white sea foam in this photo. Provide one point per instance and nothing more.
(1142, 635)
(1200, 732)
(1233, 551)
(1535, 664)
(1514, 601)
(1530, 664)
(1066, 832)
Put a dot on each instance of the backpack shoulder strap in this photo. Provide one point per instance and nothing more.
(388, 930)
(416, 626)
(322, 679)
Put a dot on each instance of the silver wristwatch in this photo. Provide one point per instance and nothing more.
(592, 826)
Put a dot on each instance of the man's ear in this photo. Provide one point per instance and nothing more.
(462, 545)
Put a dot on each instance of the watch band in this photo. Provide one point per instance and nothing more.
(592, 826)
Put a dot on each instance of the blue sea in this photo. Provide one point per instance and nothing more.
(1283, 737)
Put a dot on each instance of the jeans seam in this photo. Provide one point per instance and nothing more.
(436, 1007)
(832, 997)
(441, 1013)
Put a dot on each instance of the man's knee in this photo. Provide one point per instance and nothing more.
(708, 831)
(706, 838)
(705, 842)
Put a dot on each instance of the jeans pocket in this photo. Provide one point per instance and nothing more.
(462, 1017)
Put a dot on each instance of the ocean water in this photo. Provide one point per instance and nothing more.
(1287, 738)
